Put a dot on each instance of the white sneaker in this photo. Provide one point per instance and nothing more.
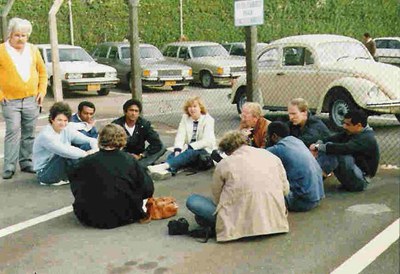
(60, 183)
(159, 175)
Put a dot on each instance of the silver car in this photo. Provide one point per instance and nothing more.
(210, 61)
(156, 70)
(388, 50)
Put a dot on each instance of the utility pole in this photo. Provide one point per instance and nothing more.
(136, 71)
(56, 83)
(181, 16)
(251, 62)
(4, 14)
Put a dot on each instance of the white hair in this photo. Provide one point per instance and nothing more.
(18, 24)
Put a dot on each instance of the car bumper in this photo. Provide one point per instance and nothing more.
(391, 107)
(166, 82)
(93, 84)
(226, 79)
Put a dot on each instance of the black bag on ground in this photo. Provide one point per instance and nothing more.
(178, 227)
(204, 162)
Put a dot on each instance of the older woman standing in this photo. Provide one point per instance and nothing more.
(110, 185)
(248, 193)
(195, 137)
(23, 82)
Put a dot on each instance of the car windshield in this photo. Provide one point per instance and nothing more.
(334, 51)
(145, 53)
(204, 51)
(71, 55)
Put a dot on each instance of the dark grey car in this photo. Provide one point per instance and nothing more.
(156, 70)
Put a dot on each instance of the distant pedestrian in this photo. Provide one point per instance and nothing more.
(369, 43)
(303, 124)
(140, 131)
(302, 169)
(84, 121)
(353, 155)
(53, 154)
(248, 193)
(109, 186)
(195, 137)
(23, 83)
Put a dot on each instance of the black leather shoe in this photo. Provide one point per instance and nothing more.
(28, 169)
(8, 174)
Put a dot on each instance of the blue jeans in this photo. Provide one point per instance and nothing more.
(20, 116)
(56, 170)
(345, 169)
(184, 159)
(297, 204)
(203, 208)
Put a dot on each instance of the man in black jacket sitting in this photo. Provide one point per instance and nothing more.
(139, 130)
(353, 155)
(303, 125)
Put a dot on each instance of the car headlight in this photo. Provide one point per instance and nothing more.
(223, 70)
(150, 73)
(373, 92)
(73, 76)
(187, 72)
(111, 74)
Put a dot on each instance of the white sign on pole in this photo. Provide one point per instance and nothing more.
(249, 12)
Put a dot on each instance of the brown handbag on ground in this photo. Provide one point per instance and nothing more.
(160, 208)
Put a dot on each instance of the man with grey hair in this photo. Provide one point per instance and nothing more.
(23, 83)
(246, 201)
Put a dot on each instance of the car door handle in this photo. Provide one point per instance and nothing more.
(280, 73)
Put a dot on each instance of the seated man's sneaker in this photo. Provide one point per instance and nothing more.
(60, 183)
(8, 174)
(28, 169)
(159, 172)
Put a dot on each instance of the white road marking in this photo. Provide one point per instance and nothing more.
(366, 255)
(20, 226)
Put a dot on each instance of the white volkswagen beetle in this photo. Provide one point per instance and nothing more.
(79, 72)
(333, 73)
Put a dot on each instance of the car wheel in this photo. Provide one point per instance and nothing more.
(103, 91)
(177, 88)
(241, 99)
(207, 80)
(339, 105)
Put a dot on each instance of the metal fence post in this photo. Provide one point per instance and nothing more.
(136, 71)
(251, 62)
(56, 83)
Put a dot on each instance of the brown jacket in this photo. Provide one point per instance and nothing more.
(371, 46)
(248, 189)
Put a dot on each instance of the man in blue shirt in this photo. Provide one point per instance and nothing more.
(83, 122)
(303, 171)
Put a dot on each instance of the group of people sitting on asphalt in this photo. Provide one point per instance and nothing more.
(263, 169)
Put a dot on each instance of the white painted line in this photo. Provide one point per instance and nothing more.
(366, 255)
(15, 228)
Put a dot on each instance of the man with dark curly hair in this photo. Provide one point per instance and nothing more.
(112, 195)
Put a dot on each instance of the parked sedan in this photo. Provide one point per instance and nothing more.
(156, 70)
(239, 48)
(211, 63)
(79, 72)
(333, 73)
(388, 50)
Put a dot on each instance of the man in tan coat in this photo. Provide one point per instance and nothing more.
(248, 193)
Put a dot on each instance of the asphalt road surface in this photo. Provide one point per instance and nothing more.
(320, 241)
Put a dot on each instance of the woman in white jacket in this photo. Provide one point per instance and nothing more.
(195, 136)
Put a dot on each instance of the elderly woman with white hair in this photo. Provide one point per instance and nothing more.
(23, 82)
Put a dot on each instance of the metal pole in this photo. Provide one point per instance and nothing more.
(4, 14)
(56, 83)
(71, 22)
(136, 71)
(251, 62)
(181, 16)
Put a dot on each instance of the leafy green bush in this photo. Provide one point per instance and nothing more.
(107, 20)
